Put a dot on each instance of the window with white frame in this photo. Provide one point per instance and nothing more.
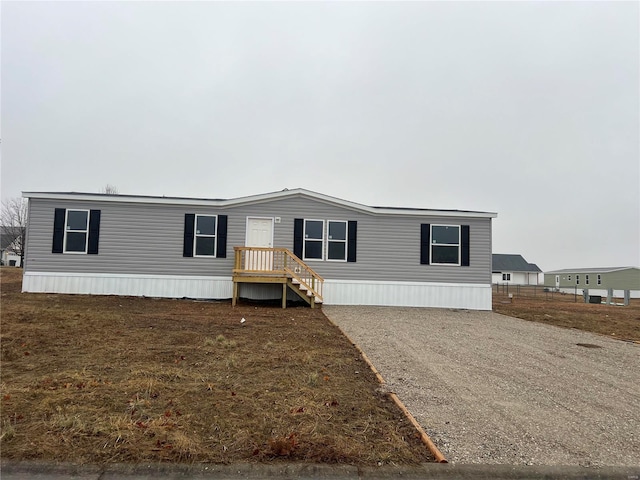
(568, 278)
(76, 231)
(445, 244)
(586, 279)
(337, 240)
(313, 240)
(205, 236)
(577, 279)
(506, 277)
(599, 279)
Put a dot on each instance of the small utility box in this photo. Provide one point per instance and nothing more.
(595, 298)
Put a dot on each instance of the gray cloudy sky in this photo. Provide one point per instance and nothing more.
(528, 109)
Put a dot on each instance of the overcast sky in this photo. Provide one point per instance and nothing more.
(527, 109)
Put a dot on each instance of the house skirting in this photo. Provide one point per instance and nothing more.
(336, 292)
(408, 294)
(163, 286)
(597, 291)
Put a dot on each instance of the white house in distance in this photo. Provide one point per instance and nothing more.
(9, 257)
(514, 269)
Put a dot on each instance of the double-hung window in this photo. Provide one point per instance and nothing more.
(506, 277)
(577, 279)
(586, 279)
(76, 231)
(205, 236)
(599, 279)
(337, 241)
(330, 240)
(445, 244)
(313, 240)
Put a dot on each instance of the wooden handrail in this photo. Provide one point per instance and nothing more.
(277, 261)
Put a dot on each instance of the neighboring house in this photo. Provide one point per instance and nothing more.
(7, 247)
(597, 280)
(514, 269)
(262, 246)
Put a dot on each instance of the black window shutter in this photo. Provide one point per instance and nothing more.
(221, 238)
(464, 247)
(94, 232)
(351, 241)
(298, 228)
(425, 242)
(58, 230)
(189, 224)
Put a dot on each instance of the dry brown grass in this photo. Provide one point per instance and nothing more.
(569, 311)
(97, 379)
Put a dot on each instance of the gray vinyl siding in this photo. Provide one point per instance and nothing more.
(137, 238)
(25, 244)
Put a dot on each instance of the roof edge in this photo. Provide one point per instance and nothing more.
(593, 269)
(124, 198)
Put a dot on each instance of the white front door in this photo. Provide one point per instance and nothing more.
(259, 234)
(557, 281)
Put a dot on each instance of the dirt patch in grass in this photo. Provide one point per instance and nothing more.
(566, 310)
(98, 379)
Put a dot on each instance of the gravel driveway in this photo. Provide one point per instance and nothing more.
(488, 388)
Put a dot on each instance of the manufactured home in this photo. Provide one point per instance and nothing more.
(596, 280)
(277, 245)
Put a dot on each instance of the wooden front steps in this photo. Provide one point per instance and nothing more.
(276, 265)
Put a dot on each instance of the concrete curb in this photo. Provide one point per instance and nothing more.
(46, 471)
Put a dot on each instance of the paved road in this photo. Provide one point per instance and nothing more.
(492, 389)
(38, 471)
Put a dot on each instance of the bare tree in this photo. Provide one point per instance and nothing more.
(110, 189)
(13, 225)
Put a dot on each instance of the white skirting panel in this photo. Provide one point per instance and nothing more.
(166, 286)
(336, 292)
(407, 294)
(601, 292)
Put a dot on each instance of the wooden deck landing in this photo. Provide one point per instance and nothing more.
(276, 265)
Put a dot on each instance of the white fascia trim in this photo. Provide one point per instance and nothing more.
(256, 199)
(125, 275)
(395, 282)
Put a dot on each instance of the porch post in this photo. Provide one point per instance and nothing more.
(234, 300)
(284, 295)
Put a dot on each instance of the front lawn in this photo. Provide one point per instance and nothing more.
(100, 379)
